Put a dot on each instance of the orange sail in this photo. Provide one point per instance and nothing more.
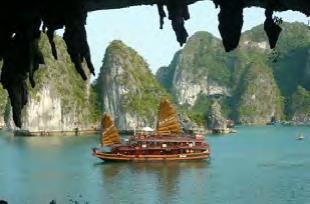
(168, 122)
(110, 135)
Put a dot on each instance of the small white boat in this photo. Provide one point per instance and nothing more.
(300, 137)
(233, 131)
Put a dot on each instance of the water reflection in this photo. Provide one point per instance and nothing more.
(161, 179)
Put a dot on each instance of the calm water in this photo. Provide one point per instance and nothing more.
(257, 165)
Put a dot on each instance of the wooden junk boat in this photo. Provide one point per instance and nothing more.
(165, 144)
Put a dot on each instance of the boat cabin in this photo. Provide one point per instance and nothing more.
(161, 145)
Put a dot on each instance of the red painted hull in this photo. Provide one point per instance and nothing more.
(136, 158)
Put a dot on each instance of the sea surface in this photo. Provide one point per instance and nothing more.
(257, 165)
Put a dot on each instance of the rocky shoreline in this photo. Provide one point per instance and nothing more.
(26, 133)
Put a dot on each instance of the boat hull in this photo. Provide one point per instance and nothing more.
(146, 158)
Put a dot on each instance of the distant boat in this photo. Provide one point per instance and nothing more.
(147, 129)
(230, 123)
(166, 143)
(233, 131)
(300, 137)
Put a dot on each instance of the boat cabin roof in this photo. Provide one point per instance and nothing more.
(159, 138)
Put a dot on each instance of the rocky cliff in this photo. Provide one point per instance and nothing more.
(300, 109)
(61, 100)
(3, 102)
(252, 83)
(198, 68)
(289, 61)
(127, 88)
(215, 118)
(258, 97)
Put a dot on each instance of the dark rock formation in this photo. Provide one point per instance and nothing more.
(20, 23)
(215, 118)
(178, 13)
(272, 28)
(230, 22)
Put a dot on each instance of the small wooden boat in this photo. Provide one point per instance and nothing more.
(168, 143)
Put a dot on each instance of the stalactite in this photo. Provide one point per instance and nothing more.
(271, 28)
(20, 51)
(178, 14)
(21, 59)
(230, 22)
(76, 40)
(162, 14)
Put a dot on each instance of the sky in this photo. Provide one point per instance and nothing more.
(138, 27)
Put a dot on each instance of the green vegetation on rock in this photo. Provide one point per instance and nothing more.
(260, 81)
(68, 100)
(127, 86)
(300, 109)
(62, 79)
(3, 99)
(258, 97)
(250, 85)
(198, 113)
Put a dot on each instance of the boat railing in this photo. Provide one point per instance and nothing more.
(168, 145)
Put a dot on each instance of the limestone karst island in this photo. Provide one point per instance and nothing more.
(251, 85)
(148, 101)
